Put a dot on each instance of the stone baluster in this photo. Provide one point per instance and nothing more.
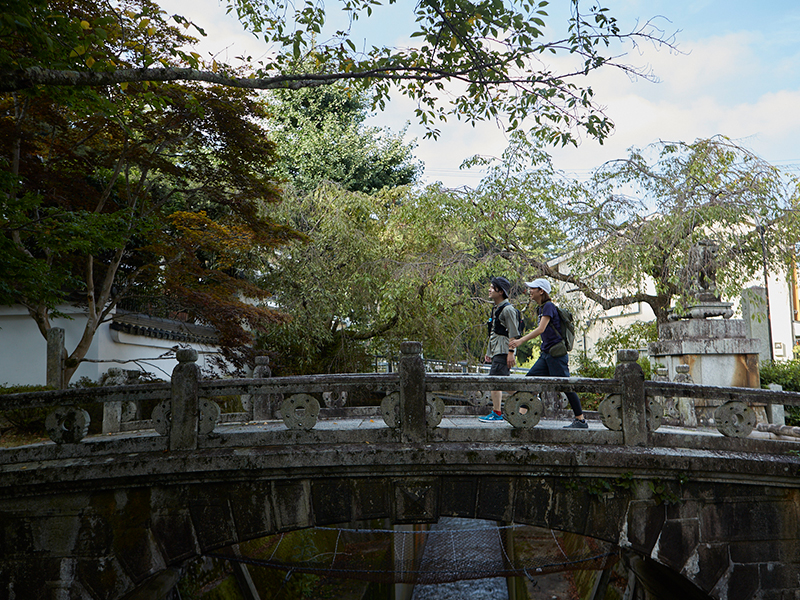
(262, 407)
(55, 358)
(686, 404)
(112, 411)
(184, 401)
(776, 414)
(634, 414)
(413, 425)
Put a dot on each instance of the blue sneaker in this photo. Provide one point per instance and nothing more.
(578, 424)
(492, 417)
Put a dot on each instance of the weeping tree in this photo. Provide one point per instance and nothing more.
(642, 219)
(628, 234)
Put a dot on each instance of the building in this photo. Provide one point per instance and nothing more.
(133, 340)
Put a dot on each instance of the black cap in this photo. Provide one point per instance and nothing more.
(503, 284)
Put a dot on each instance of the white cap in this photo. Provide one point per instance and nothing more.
(539, 283)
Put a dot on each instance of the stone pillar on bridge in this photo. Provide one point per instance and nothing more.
(716, 351)
(413, 423)
(55, 358)
(263, 406)
(184, 401)
(634, 416)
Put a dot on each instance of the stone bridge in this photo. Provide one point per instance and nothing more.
(115, 516)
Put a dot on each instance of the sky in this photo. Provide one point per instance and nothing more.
(736, 72)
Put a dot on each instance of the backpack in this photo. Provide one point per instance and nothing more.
(499, 328)
(567, 332)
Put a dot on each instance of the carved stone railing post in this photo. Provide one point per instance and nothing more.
(686, 405)
(262, 408)
(112, 411)
(412, 393)
(634, 410)
(775, 412)
(55, 358)
(184, 401)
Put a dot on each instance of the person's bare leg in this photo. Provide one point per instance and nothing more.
(497, 401)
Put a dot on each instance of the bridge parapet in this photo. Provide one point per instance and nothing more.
(108, 517)
(188, 418)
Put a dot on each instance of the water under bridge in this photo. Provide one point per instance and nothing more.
(698, 514)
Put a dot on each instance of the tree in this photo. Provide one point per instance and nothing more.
(639, 219)
(320, 136)
(151, 189)
(379, 268)
(491, 56)
(711, 192)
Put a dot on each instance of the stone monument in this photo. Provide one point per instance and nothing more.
(705, 337)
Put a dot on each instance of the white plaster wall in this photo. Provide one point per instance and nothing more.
(23, 350)
(780, 304)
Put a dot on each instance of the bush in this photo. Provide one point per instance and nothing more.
(787, 375)
(588, 367)
(635, 335)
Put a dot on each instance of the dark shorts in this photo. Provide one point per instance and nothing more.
(499, 365)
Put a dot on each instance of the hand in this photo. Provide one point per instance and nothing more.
(513, 344)
(511, 360)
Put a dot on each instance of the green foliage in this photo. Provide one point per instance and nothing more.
(634, 336)
(601, 487)
(492, 53)
(663, 493)
(321, 137)
(378, 269)
(787, 375)
(138, 189)
(588, 367)
(639, 220)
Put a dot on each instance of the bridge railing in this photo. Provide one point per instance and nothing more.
(412, 409)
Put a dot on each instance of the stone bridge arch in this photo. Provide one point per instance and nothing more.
(118, 536)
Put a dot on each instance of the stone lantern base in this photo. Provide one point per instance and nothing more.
(716, 351)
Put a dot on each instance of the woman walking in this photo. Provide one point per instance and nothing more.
(549, 328)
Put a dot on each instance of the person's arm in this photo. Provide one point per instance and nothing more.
(514, 344)
(511, 359)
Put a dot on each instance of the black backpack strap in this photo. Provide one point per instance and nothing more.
(496, 314)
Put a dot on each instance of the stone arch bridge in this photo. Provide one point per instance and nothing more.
(698, 515)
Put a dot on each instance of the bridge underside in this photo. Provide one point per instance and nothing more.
(124, 530)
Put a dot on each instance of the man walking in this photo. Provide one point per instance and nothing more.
(502, 327)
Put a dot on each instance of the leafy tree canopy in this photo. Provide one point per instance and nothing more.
(643, 216)
(407, 263)
(148, 190)
(380, 268)
(628, 233)
(321, 136)
(491, 56)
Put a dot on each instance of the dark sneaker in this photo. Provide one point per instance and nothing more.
(492, 417)
(577, 424)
